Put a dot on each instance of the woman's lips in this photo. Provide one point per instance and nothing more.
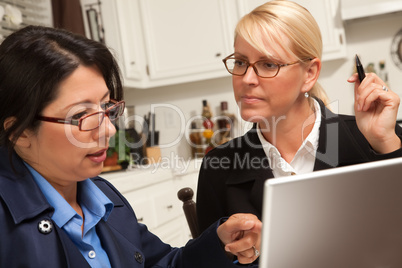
(98, 157)
(250, 99)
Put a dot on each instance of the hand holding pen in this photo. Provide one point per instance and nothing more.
(376, 109)
(369, 90)
(360, 69)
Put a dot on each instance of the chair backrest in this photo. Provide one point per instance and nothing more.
(190, 211)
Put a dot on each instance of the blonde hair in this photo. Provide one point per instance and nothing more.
(269, 23)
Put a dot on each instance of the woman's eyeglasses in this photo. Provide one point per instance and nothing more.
(263, 68)
(112, 110)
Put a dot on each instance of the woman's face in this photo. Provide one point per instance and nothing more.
(267, 98)
(61, 152)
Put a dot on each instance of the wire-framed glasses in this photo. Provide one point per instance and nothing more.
(112, 109)
(263, 68)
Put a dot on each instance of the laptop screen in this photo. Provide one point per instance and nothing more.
(342, 217)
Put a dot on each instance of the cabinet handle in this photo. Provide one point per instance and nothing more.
(218, 55)
(140, 219)
(132, 63)
(169, 207)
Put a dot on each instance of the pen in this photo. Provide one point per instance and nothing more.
(360, 69)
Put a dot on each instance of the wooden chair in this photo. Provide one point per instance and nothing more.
(190, 211)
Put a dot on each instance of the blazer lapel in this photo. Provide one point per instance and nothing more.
(257, 192)
(73, 256)
(260, 174)
(327, 155)
(256, 169)
(120, 251)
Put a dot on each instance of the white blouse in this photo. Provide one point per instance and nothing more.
(304, 160)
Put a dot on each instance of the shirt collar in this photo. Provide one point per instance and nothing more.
(88, 194)
(312, 139)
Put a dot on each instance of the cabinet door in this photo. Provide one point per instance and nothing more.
(246, 6)
(121, 24)
(175, 233)
(327, 15)
(123, 36)
(144, 208)
(132, 56)
(364, 8)
(186, 37)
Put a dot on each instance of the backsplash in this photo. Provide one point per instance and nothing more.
(19, 13)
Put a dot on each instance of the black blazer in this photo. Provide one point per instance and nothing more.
(232, 176)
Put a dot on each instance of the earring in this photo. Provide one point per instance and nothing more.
(306, 95)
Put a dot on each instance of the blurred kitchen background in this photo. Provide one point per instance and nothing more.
(170, 54)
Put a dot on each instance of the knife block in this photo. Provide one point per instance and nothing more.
(153, 154)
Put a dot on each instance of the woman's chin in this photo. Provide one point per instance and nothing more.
(251, 117)
(94, 170)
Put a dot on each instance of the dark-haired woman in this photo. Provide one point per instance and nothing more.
(58, 95)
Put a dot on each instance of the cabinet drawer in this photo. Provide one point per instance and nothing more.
(174, 233)
(144, 210)
(167, 207)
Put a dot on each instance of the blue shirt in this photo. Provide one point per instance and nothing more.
(95, 207)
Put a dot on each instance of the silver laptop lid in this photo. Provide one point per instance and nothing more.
(342, 217)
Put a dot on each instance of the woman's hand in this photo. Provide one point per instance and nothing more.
(241, 235)
(376, 109)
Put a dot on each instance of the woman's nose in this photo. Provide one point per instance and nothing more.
(250, 77)
(105, 131)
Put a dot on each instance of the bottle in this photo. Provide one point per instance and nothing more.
(223, 120)
(225, 124)
(383, 74)
(206, 111)
(196, 142)
(208, 125)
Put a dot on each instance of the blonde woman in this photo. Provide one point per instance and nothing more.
(275, 67)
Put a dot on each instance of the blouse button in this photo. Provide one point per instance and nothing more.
(91, 254)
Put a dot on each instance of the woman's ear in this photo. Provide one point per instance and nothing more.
(313, 69)
(23, 140)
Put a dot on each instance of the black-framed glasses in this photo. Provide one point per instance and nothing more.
(263, 68)
(113, 110)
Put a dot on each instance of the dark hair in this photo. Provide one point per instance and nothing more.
(33, 62)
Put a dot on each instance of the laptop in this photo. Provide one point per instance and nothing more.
(337, 218)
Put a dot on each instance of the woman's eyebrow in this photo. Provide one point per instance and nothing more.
(107, 94)
(237, 54)
(263, 57)
(86, 101)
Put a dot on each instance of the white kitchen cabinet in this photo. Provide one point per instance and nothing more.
(355, 9)
(327, 15)
(160, 42)
(152, 193)
(186, 37)
(175, 233)
(245, 6)
(120, 23)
